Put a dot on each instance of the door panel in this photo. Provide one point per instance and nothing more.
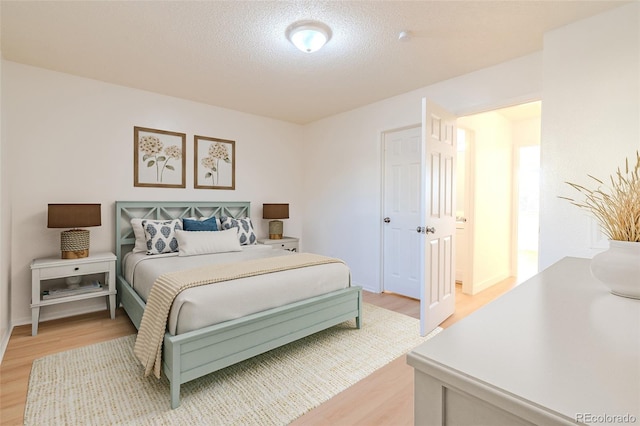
(433, 270)
(437, 300)
(434, 188)
(449, 195)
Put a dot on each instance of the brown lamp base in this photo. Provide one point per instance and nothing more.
(78, 254)
(275, 230)
(74, 244)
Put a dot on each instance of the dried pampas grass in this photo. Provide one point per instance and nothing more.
(616, 208)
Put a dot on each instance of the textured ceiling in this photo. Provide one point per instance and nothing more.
(234, 53)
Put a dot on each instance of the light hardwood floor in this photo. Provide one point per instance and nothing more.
(383, 398)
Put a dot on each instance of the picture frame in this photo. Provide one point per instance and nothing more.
(159, 158)
(214, 163)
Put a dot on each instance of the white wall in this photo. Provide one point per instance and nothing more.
(70, 139)
(342, 159)
(590, 120)
(493, 189)
(5, 232)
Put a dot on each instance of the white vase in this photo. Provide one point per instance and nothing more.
(619, 268)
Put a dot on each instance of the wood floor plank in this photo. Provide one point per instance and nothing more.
(383, 398)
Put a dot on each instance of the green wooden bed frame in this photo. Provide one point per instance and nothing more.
(194, 354)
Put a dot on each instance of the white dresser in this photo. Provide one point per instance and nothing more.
(558, 349)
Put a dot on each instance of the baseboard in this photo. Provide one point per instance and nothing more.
(366, 287)
(5, 342)
(485, 284)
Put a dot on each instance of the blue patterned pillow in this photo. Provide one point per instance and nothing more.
(200, 225)
(246, 235)
(161, 235)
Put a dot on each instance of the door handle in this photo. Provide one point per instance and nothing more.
(426, 230)
(387, 220)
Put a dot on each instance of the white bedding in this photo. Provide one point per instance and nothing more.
(206, 305)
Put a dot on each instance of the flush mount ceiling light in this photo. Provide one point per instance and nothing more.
(308, 36)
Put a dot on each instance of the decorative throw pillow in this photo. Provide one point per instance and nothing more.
(205, 224)
(205, 242)
(246, 235)
(218, 225)
(161, 236)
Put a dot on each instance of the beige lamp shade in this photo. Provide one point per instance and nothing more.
(74, 243)
(275, 211)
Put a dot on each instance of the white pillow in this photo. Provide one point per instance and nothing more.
(204, 242)
(141, 240)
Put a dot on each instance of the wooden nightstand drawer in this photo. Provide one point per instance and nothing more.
(72, 270)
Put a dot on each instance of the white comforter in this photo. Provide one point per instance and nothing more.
(202, 306)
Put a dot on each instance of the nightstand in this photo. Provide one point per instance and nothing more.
(285, 243)
(96, 275)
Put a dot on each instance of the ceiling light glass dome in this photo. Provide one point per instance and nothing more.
(308, 36)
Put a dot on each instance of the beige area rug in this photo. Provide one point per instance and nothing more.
(104, 383)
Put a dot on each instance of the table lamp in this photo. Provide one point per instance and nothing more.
(74, 243)
(275, 211)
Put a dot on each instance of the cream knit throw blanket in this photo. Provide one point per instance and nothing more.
(148, 347)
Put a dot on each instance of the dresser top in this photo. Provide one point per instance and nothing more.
(560, 340)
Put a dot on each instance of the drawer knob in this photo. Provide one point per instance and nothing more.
(76, 268)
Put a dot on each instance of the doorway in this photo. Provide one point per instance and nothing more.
(504, 200)
(419, 184)
(465, 185)
(401, 211)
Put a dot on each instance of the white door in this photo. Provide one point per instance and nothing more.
(437, 294)
(402, 261)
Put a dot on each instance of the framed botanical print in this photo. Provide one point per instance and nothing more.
(214, 163)
(159, 158)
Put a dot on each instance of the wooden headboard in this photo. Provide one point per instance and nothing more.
(165, 210)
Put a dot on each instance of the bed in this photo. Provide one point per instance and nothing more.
(196, 352)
